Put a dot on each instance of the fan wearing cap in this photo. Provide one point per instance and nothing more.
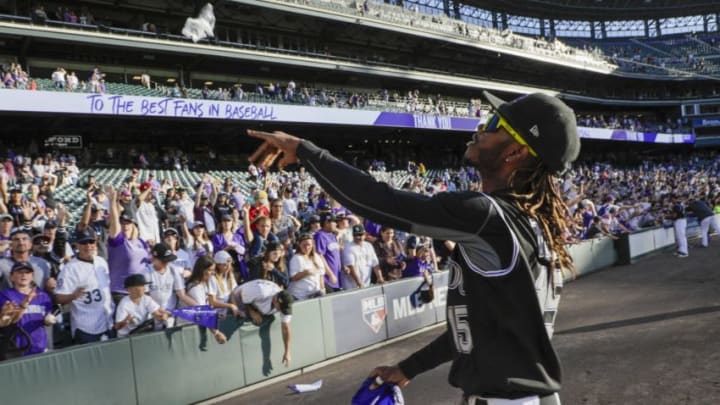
(359, 261)
(229, 240)
(197, 241)
(136, 307)
(313, 224)
(203, 210)
(305, 211)
(126, 251)
(125, 201)
(21, 251)
(19, 209)
(222, 206)
(183, 263)
(34, 308)
(84, 283)
(6, 225)
(421, 264)
(146, 214)
(289, 202)
(58, 236)
(167, 285)
(326, 244)
(507, 264)
(223, 282)
(372, 230)
(93, 216)
(43, 248)
(258, 298)
(344, 230)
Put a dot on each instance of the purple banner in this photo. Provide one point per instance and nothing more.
(632, 136)
(426, 121)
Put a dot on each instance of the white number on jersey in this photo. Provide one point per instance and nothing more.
(458, 317)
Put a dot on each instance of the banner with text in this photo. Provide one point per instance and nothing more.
(122, 105)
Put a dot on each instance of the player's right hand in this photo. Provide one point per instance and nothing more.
(275, 144)
(391, 374)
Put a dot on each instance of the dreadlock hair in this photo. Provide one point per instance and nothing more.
(536, 193)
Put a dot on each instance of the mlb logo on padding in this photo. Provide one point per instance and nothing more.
(373, 312)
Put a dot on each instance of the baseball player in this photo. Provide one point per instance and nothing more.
(84, 283)
(677, 214)
(705, 216)
(506, 267)
(258, 298)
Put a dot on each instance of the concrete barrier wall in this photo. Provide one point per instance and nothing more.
(185, 365)
(592, 255)
(102, 373)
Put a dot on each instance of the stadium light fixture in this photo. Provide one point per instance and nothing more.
(208, 83)
(136, 78)
(171, 80)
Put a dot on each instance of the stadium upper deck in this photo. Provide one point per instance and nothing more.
(379, 51)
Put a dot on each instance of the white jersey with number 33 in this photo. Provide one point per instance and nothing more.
(92, 311)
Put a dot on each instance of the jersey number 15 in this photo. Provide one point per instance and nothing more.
(458, 317)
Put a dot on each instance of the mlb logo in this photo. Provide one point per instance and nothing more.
(373, 312)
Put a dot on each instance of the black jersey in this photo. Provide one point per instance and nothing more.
(701, 209)
(501, 302)
(678, 210)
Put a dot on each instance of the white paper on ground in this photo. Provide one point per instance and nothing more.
(300, 388)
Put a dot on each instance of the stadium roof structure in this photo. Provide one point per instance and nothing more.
(599, 10)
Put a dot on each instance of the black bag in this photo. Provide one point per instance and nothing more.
(424, 294)
(8, 339)
(145, 326)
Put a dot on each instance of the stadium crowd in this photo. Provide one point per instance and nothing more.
(631, 122)
(201, 245)
(412, 101)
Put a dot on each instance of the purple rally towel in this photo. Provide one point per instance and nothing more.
(202, 315)
(374, 392)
